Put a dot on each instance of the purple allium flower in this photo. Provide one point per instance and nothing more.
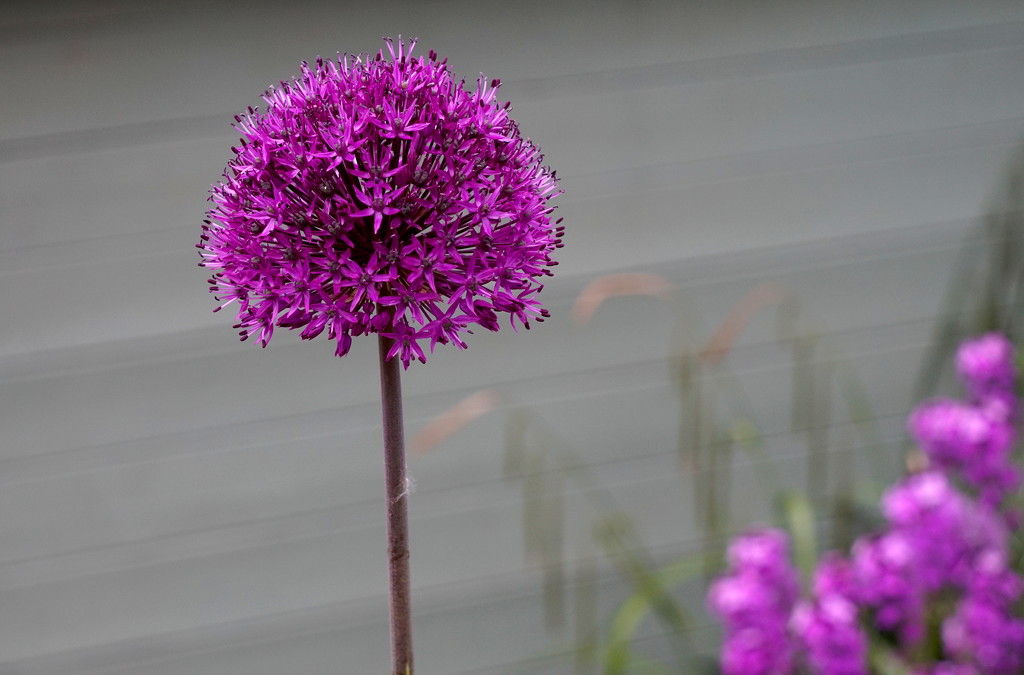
(985, 365)
(378, 195)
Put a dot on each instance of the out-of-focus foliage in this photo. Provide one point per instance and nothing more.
(717, 423)
(986, 287)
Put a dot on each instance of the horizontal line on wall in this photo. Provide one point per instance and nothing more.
(333, 422)
(633, 180)
(353, 515)
(150, 132)
(330, 423)
(796, 159)
(336, 617)
(653, 643)
(761, 64)
(171, 345)
(903, 47)
(84, 20)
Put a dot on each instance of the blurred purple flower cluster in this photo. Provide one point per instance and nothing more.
(826, 625)
(380, 195)
(755, 600)
(974, 438)
(941, 566)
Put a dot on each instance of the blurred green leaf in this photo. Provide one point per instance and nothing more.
(863, 416)
(884, 661)
(585, 610)
(819, 426)
(617, 535)
(514, 463)
(533, 506)
(799, 517)
(618, 654)
(745, 434)
(986, 286)
(618, 657)
(802, 395)
(552, 551)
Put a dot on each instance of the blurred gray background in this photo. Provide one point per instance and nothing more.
(173, 502)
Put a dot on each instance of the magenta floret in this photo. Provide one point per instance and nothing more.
(379, 195)
(985, 365)
(970, 440)
(755, 599)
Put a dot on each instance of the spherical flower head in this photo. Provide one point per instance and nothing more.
(985, 364)
(380, 195)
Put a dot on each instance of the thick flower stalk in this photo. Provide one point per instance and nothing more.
(380, 195)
